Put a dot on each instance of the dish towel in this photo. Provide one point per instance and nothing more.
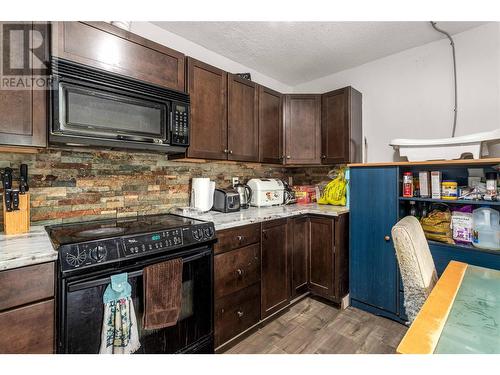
(162, 294)
(119, 328)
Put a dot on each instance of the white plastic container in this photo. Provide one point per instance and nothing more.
(486, 228)
(484, 144)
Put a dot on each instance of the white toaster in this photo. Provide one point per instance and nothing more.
(266, 192)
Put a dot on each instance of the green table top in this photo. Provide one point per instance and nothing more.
(473, 325)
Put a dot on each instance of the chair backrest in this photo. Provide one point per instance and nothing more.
(415, 264)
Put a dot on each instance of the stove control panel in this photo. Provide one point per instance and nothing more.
(94, 253)
(152, 242)
(87, 254)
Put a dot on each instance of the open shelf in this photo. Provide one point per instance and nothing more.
(456, 201)
(464, 246)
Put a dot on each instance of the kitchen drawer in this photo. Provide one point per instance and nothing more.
(236, 312)
(28, 330)
(236, 269)
(26, 284)
(234, 238)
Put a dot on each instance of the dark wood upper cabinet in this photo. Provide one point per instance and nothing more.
(270, 126)
(300, 255)
(341, 126)
(275, 285)
(23, 112)
(207, 87)
(242, 119)
(105, 46)
(303, 129)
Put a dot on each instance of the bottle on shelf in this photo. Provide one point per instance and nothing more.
(413, 209)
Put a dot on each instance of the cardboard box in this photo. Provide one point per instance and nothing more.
(436, 184)
(424, 179)
(305, 194)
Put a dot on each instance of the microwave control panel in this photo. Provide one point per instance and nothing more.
(180, 125)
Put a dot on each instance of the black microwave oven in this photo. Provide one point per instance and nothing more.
(93, 107)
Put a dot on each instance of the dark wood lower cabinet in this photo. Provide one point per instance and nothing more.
(275, 262)
(297, 255)
(236, 312)
(27, 310)
(329, 257)
(300, 255)
(28, 329)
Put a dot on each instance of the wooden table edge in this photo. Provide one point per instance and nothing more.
(423, 335)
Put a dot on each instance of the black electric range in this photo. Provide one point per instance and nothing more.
(91, 252)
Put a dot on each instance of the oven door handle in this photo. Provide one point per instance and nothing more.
(106, 280)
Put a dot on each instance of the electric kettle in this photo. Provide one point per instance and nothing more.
(245, 194)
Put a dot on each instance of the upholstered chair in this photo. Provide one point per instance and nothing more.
(415, 263)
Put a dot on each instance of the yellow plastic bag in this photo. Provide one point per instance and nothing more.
(334, 192)
(437, 226)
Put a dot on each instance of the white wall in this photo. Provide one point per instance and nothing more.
(410, 94)
(159, 35)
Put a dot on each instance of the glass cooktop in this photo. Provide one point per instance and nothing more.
(63, 234)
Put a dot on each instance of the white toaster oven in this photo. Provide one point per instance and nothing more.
(266, 192)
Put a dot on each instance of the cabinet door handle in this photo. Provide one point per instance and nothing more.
(239, 271)
(288, 157)
(323, 156)
(240, 314)
(226, 150)
(264, 233)
(387, 238)
(230, 151)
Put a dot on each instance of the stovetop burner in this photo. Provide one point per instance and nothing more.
(63, 234)
(99, 232)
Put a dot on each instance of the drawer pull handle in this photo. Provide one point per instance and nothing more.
(240, 314)
(240, 238)
(239, 271)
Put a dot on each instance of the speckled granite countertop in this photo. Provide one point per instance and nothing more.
(26, 249)
(256, 215)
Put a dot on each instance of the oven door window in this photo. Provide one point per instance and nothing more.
(84, 313)
(110, 114)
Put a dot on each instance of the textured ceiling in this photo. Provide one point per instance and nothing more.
(297, 52)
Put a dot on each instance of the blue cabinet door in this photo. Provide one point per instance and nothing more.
(373, 275)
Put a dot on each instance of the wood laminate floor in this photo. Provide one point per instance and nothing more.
(312, 326)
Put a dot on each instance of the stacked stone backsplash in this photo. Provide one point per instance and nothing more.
(310, 176)
(75, 184)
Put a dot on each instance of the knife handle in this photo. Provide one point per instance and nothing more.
(23, 172)
(15, 199)
(8, 200)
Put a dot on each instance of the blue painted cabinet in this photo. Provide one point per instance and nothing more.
(373, 272)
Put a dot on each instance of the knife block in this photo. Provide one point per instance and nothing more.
(18, 221)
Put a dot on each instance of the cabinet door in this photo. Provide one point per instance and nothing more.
(341, 126)
(207, 87)
(274, 276)
(300, 255)
(242, 123)
(373, 211)
(23, 119)
(270, 126)
(105, 46)
(303, 129)
(321, 257)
